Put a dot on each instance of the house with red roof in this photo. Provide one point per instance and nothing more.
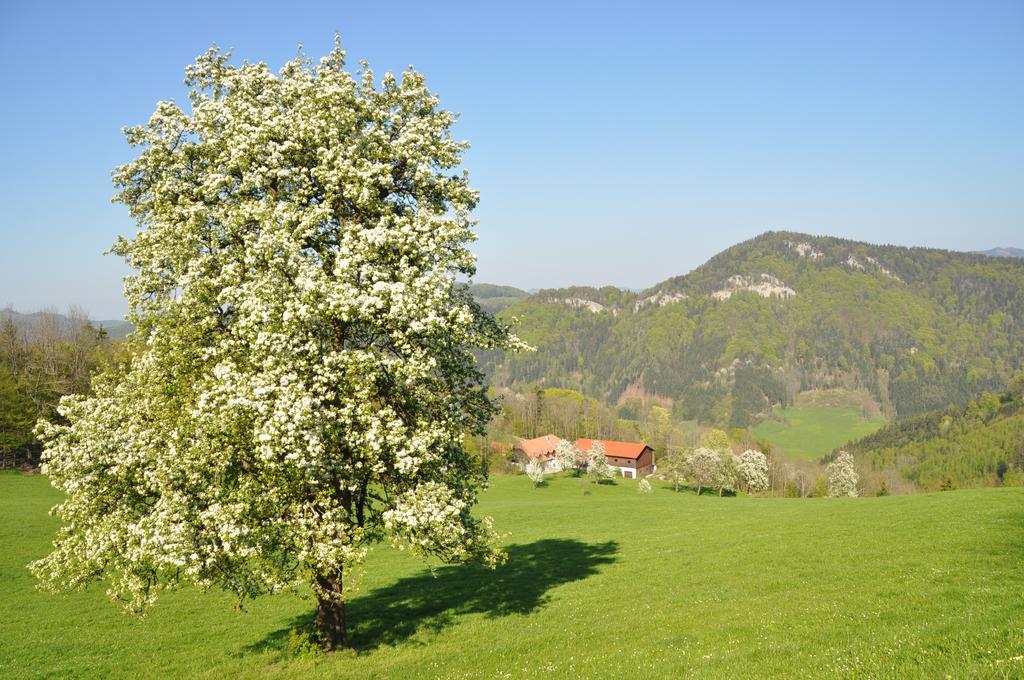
(539, 450)
(630, 459)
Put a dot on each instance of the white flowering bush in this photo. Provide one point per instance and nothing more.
(842, 478)
(644, 486)
(752, 471)
(535, 472)
(302, 375)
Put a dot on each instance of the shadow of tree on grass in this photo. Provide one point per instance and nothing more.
(429, 602)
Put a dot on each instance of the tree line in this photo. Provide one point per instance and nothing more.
(43, 356)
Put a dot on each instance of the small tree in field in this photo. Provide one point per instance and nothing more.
(644, 486)
(842, 478)
(535, 471)
(597, 463)
(568, 456)
(303, 376)
(752, 471)
(674, 465)
(704, 468)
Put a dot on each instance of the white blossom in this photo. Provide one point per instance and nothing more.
(302, 374)
(569, 457)
(842, 478)
(597, 463)
(752, 471)
(535, 471)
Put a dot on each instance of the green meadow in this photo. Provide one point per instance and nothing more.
(810, 432)
(602, 581)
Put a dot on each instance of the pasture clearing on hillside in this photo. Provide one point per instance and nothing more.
(810, 432)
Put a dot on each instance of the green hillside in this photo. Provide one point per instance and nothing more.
(782, 313)
(981, 443)
(606, 584)
(811, 433)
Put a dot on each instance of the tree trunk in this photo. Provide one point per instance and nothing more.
(330, 612)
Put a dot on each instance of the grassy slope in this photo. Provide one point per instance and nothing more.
(811, 432)
(609, 584)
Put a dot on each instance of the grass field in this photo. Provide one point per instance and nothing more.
(608, 584)
(810, 432)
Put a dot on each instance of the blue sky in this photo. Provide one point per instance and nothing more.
(612, 144)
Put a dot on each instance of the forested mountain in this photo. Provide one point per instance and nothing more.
(980, 443)
(919, 328)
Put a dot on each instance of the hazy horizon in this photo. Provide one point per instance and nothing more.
(62, 308)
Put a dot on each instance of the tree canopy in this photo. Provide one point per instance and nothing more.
(303, 375)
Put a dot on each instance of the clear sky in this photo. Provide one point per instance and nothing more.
(613, 144)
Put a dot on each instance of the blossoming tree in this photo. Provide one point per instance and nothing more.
(674, 465)
(303, 375)
(569, 457)
(535, 472)
(704, 466)
(842, 478)
(597, 463)
(752, 470)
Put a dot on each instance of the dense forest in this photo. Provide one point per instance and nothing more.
(782, 313)
(980, 443)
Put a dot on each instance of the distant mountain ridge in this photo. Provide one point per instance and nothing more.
(778, 314)
(494, 298)
(116, 329)
(1002, 252)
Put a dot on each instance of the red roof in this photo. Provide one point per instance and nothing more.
(617, 449)
(539, 447)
